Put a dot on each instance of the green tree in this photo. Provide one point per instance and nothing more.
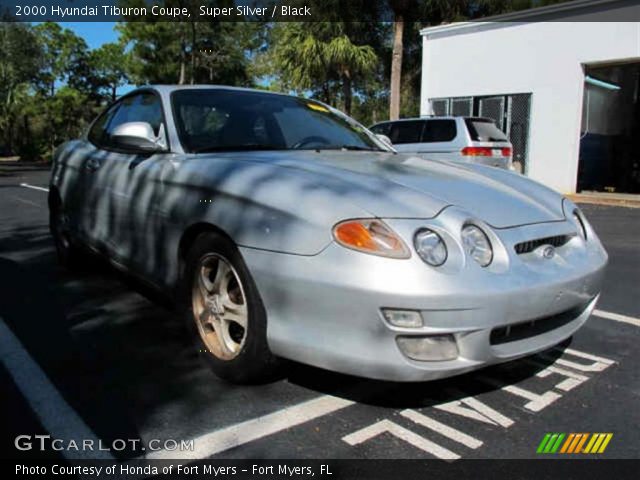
(108, 65)
(189, 51)
(63, 53)
(321, 58)
(20, 62)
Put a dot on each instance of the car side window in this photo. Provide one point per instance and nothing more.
(439, 131)
(406, 132)
(98, 133)
(202, 124)
(381, 129)
(142, 107)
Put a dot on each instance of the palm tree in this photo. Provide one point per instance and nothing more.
(349, 60)
(314, 56)
(400, 10)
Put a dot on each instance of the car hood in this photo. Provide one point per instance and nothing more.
(392, 185)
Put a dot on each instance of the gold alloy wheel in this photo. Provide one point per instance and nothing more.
(219, 306)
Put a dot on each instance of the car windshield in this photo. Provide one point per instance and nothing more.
(217, 120)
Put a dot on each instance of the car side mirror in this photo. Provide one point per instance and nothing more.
(136, 135)
(384, 139)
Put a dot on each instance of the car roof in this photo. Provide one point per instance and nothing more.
(165, 88)
(434, 117)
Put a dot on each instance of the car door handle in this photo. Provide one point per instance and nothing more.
(93, 164)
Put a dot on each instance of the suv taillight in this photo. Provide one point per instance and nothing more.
(485, 151)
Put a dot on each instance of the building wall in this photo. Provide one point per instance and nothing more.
(545, 59)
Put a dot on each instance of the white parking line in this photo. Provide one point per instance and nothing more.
(572, 381)
(245, 432)
(617, 317)
(62, 422)
(474, 409)
(34, 187)
(536, 402)
(27, 202)
(387, 426)
(445, 430)
(54, 413)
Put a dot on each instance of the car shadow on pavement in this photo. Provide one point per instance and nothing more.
(421, 394)
(34, 313)
(123, 363)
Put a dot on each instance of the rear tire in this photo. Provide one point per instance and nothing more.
(224, 313)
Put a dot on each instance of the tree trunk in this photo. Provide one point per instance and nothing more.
(346, 92)
(193, 52)
(183, 58)
(326, 93)
(113, 92)
(396, 68)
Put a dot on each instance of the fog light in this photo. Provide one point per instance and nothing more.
(403, 318)
(433, 348)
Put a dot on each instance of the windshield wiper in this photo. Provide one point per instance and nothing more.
(350, 147)
(236, 148)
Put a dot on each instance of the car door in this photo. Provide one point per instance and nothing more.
(127, 181)
(440, 139)
(93, 221)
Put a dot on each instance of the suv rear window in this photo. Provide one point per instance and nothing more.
(439, 131)
(484, 130)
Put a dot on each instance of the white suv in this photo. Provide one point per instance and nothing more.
(461, 139)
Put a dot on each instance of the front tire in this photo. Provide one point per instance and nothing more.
(224, 312)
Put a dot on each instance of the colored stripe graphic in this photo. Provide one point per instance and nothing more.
(581, 443)
(555, 447)
(550, 443)
(592, 441)
(568, 442)
(574, 443)
(543, 443)
(606, 441)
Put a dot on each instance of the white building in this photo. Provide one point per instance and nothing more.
(566, 92)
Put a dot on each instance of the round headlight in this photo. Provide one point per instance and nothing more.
(577, 219)
(430, 247)
(477, 245)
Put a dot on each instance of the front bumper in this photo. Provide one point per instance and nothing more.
(325, 310)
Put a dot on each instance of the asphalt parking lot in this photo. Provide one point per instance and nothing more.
(89, 355)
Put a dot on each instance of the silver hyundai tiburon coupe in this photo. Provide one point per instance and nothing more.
(284, 229)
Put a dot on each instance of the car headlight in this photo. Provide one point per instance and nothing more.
(580, 223)
(430, 247)
(370, 236)
(477, 245)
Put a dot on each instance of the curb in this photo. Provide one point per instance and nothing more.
(609, 202)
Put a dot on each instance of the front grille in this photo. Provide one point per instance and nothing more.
(531, 245)
(531, 328)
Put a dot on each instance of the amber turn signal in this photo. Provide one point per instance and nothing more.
(370, 236)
